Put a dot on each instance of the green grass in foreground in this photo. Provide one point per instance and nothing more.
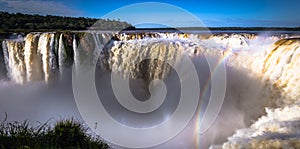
(65, 134)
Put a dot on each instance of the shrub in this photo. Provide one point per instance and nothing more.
(65, 134)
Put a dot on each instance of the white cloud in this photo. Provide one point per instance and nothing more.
(37, 7)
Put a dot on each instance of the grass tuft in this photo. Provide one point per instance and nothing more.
(65, 134)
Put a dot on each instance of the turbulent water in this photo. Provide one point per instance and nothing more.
(263, 85)
(278, 71)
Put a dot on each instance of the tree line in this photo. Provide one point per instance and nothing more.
(17, 22)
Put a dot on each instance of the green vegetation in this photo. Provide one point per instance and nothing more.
(37, 23)
(66, 134)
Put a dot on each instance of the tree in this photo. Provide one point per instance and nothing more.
(28, 23)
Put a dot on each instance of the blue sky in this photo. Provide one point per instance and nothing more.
(213, 13)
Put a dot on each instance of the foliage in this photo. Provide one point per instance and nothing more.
(28, 23)
(64, 134)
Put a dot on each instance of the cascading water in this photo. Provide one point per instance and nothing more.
(136, 63)
(61, 54)
(76, 58)
(260, 74)
(45, 45)
(279, 128)
(280, 71)
(32, 58)
(14, 59)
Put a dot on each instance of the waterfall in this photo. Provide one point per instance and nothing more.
(75, 51)
(281, 86)
(35, 57)
(61, 54)
(14, 59)
(281, 69)
(45, 45)
(261, 72)
(32, 58)
(99, 45)
(144, 59)
(5, 56)
(3, 72)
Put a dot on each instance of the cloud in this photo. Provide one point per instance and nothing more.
(249, 22)
(38, 7)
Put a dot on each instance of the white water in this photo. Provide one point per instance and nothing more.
(44, 48)
(31, 59)
(258, 77)
(14, 59)
(61, 54)
(278, 129)
(278, 73)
